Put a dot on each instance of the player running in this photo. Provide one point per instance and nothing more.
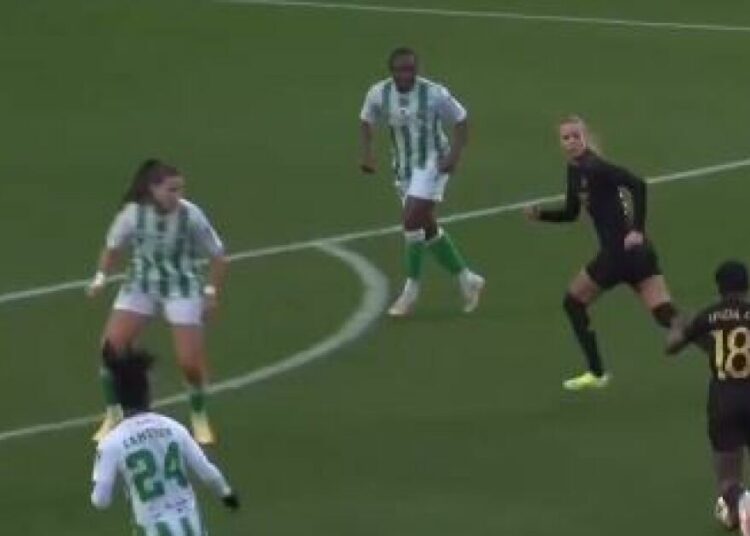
(166, 235)
(415, 110)
(625, 254)
(723, 331)
(151, 453)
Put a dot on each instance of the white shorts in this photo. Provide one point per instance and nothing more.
(177, 311)
(427, 183)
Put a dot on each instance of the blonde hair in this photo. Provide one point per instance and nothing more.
(592, 139)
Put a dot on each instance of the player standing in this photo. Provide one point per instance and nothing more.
(723, 331)
(415, 110)
(625, 254)
(166, 235)
(151, 453)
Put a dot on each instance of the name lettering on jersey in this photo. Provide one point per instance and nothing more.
(145, 435)
(728, 315)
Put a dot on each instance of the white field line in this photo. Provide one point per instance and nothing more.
(292, 247)
(375, 291)
(501, 15)
(373, 301)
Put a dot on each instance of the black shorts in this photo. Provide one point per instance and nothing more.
(633, 266)
(729, 415)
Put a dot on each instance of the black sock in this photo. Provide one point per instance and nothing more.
(664, 314)
(579, 320)
(731, 497)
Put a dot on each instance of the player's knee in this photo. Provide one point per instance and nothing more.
(431, 231)
(111, 348)
(576, 311)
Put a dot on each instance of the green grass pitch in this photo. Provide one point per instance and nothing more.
(435, 426)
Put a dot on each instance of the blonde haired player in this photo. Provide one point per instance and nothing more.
(152, 455)
(615, 199)
(415, 110)
(166, 236)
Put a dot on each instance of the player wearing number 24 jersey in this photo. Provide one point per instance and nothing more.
(723, 331)
(152, 455)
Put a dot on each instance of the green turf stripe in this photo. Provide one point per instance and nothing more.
(422, 118)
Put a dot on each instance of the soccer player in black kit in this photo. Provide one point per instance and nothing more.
(723, 331)
(616, 201)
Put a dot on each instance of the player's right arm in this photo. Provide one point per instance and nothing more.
(105, 475)
(567, 213)
(207, 472)
(369, 116)
(118, 237)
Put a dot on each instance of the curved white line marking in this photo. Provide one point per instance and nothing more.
(705, 171)
(373, 302)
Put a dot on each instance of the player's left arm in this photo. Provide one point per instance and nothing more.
(213, 246)
(104, 476)
(639, 194)
(451, 111)
(207, 472)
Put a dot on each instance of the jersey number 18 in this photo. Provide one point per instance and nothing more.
(732, 353)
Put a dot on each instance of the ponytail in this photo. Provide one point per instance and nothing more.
(149, 173)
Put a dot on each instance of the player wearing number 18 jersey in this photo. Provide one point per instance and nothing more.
(152, 453)
(723, 331)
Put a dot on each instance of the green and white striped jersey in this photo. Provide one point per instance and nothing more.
(415, 120)
(165, 248)
(154, 456)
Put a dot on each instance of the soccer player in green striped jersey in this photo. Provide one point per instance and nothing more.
(166, 236)
(154, 458)
(415, 110)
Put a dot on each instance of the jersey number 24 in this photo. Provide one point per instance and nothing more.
(149, 478)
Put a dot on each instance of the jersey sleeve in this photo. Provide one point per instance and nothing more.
(204, 233)
(122, 229)
(570, 209)
(104, 475)
(199, 464)
(372, 108)
(449, 109)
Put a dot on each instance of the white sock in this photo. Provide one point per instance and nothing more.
(464, 278)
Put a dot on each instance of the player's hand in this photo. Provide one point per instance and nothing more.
(97, 285)
(368, 165)
(531, 212)
(633, 239)
(231, 501)
(449, 163)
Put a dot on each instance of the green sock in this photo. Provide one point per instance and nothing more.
(414, 253)
(446, 253)
(108, 387)
(197, 396)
